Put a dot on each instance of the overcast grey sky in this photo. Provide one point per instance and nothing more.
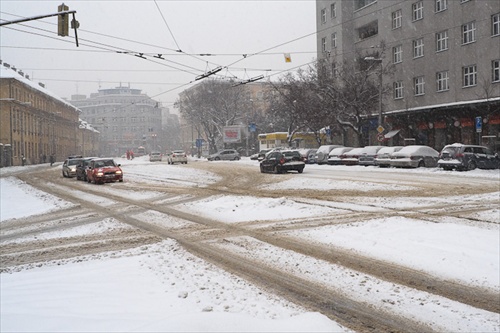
(227, 30)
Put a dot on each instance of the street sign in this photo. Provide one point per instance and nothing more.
(479, 124)
(380, 137)
(380, 129)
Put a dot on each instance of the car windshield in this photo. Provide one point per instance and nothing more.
(100, 164)
(73, 162)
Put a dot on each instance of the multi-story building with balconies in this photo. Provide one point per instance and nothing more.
(444, 55)
(125, 117)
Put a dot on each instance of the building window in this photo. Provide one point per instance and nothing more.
(419, 84)
(442, 41)
(363, 3)
(441, 5)
(397, 17)
(368, 30)
(323, 44)
(323, 16)
(334, 70)
(469, 33)
(398, 90)
(495, 64)
(442, 81)
(495, 25)
(469, 76)
(333, 10)
(397, 54)
(418, 48)
(418, 10)
(334, 40)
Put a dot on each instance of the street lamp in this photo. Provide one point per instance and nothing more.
(379, 60)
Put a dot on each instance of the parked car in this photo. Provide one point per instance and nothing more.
(69, 167)
(383, 159)
(415, 156)
(104, 170)
(351, 157)
(81, 168)
(177, 156)
(321, 155)
(368, 155)
(307, 154)
(260, 155)
(283, 161)
(155, 156)
(334, 156)
(467, 157)
(226, 154)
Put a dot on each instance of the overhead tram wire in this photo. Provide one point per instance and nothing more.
(106, 47)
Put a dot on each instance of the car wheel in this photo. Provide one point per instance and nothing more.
(217, 158)
(236, 158)
(472, 165)
(421, 164)
(121, 180)
(301, 170)
(261, 169)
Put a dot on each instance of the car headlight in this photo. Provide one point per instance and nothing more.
(118, 172)
(100, 173)
(73, 169)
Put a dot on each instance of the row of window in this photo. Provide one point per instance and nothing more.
(469, 79)
(441, 40)
(417, 10)
(468, 35)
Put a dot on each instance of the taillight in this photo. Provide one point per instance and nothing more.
(459, 155)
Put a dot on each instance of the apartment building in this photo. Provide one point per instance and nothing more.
(125, 117)
(440, 59)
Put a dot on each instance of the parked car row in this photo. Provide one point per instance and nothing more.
(456, 156)
(93, 170)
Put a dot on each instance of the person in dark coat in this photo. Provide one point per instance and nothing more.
(52, 159)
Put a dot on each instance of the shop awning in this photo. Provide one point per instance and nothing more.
(391, 134)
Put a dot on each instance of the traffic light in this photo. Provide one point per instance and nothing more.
(63, 21)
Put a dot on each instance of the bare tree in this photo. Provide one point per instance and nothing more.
(211, 105)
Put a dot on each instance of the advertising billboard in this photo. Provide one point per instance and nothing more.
(232, 134)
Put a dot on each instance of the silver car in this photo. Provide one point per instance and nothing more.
(321, 155)
(368, 155)
(69, 167)
(177, 156)
(415, 157)
(226, 154)
(155, 156)
(383, 159)
(334, 156)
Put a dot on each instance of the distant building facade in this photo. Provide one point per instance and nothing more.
(125, 118)
(34, 123)
(445, 60)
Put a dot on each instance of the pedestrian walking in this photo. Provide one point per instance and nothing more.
(52, 159)
(23, 160)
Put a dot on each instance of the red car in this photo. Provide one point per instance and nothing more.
(104, 170)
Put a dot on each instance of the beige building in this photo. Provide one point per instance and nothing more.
(34, 122)
(444, 56)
